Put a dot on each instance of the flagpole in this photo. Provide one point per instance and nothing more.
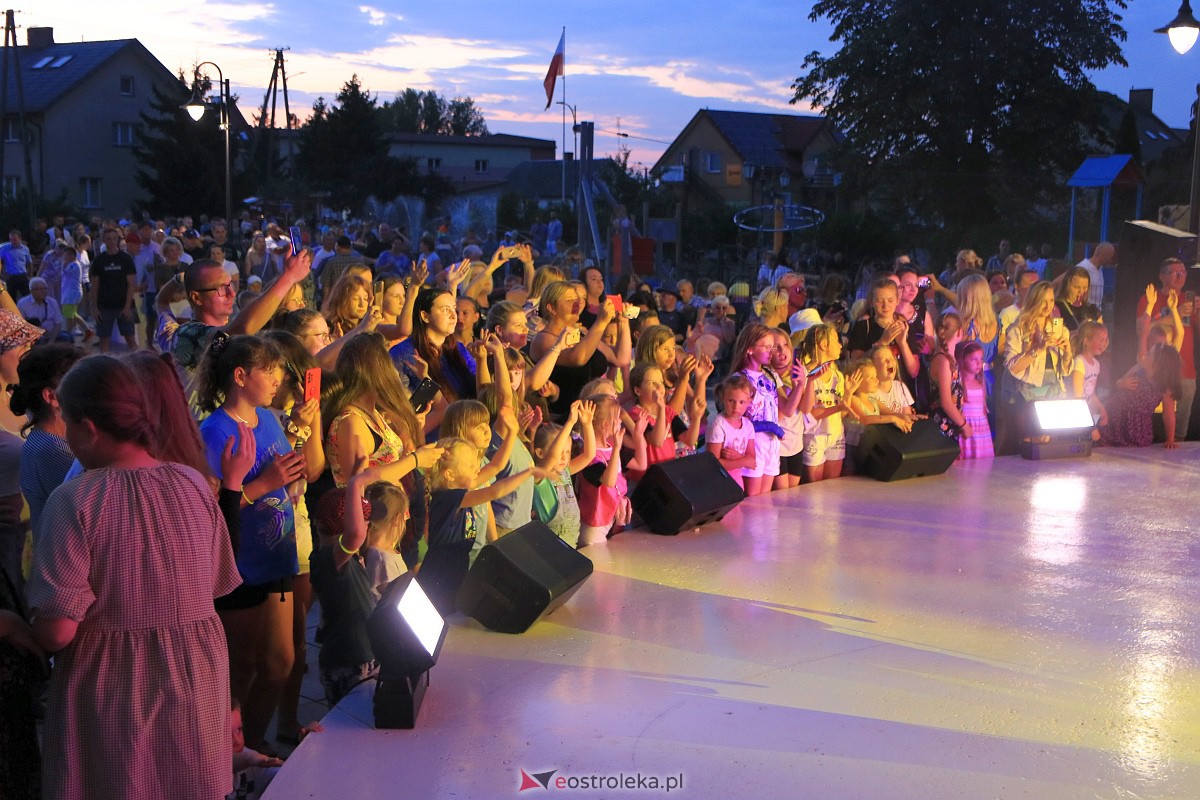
(564, 119)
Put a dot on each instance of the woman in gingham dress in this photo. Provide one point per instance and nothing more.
(132, 554)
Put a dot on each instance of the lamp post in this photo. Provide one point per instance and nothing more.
(575, 133)
(1183, 31)
(196, 107)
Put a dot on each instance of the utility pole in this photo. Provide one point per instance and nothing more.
(11, 47)
(266, 130)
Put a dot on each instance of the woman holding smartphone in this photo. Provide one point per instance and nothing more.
(1037, 355)
(586, 356)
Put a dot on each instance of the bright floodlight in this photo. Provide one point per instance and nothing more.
(1182, 30)
(422, 618)
(406, 634)
(1063, 415)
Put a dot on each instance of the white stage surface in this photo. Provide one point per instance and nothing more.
(1011, 629)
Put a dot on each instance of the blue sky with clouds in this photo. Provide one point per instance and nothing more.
(644, 69)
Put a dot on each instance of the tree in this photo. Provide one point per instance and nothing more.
(415, 111)
(181, 162)
(959, 113)
(344, 151)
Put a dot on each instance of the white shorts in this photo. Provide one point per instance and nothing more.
(822, 447)
(766, 457)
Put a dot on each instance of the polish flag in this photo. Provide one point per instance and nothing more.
(557, 67)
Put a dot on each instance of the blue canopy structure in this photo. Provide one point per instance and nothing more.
(1105, 172)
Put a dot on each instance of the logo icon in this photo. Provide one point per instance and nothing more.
(538, 780)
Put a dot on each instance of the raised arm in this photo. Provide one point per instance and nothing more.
(258, 312)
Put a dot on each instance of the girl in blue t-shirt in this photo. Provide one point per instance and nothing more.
(237, 379)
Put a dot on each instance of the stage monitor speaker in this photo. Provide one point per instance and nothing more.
(887, 453)
(520, 578)
(685, 493)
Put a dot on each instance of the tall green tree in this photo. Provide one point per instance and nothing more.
(961, 113)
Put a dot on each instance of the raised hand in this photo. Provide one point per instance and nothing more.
(687, 367)
(457, 274)
(307, 414)
(607, 312)
(370, 320)
(420, 274)
(477, 349)
(1151, 297)
(495, 346)
(419, 366)
(704, 367)
(587, 412)
(799, 371)
(298, 267)
(238, 457)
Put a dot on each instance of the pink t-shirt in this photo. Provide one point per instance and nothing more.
(664, 451)
(722, 431)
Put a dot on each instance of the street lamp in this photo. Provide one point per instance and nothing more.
(1182, 30)
(196, 107)
(575, 134)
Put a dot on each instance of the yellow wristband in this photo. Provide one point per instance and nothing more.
(344, 550)
(246, 497)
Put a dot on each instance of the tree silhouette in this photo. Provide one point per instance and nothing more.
(962, 113)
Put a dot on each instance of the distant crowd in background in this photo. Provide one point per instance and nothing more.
(297, 422)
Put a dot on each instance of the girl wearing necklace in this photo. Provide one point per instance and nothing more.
(372, 423)
(238, 377)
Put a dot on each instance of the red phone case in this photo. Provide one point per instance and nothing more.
(312, 384)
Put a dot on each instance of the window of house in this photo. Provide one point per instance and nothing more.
(9, 189)
(60, 61)
(12, 130)
(91, 192)
(127, 85)
(481, 165)
(42, 62)
(433, 164)
(124, 133)
(712, 162)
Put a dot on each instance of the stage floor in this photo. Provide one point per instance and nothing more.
(1011, 629)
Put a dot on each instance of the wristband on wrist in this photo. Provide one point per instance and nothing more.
(344, 549)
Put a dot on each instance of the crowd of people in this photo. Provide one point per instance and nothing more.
(298, 422)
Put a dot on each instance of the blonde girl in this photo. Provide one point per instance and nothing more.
(555, 500)
(752, 358)
(791, 379)
(731, 435)
(1089, 343)
(657, 346)
(893, 395)
(600, 488)
(864, 401)
(825, 402)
